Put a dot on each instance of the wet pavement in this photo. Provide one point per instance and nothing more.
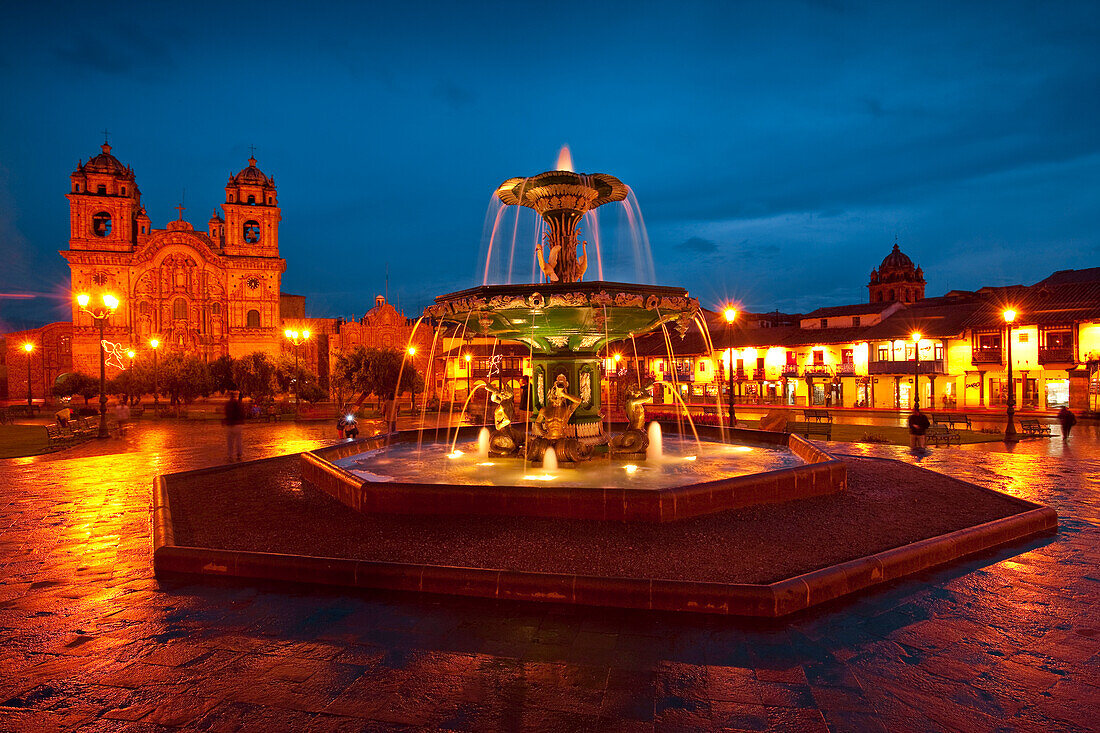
(91, 641)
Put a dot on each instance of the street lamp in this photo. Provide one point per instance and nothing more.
(297, 339)
(1010, 428)
(29, 348)
(916, 369)
(468, 358)
(153, 344)
(100, 314)
(730, 315)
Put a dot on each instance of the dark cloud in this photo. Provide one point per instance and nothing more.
(123, 49)
(698, 244)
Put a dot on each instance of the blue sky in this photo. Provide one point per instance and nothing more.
(776, 149)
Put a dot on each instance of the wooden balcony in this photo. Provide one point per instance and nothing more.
(817, 370)
(1057, 355)
(992, 355)
(846, 369)
(906, 366)
(790, 370)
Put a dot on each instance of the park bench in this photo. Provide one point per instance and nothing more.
(938, 434)
(951, 419)
(1034, 429)
(5, 417)
(818, 416)
(137, 411)
(56, 436)
(824, 430)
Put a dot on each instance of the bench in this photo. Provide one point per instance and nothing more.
(1034, 429)
(938, 434)
(950, 420)
(824, 430)
(818, 416)
(55, 436)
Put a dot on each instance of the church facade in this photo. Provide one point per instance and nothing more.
(206, 293)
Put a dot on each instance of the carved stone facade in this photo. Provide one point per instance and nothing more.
(897, 279)
(205, 293)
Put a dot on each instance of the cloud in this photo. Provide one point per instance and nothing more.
(120, 50)
(698, 244)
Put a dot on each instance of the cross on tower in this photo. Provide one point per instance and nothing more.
(252, 151)
(106, 133)
(181, 208)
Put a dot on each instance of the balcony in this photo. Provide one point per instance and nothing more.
(817, 370)
(846, 369)
(685, 375)
(790, 370)
(987, 355)
(1057, 355)
(907, 366)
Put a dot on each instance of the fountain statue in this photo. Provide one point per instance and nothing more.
(551, 425)
(507, 437)
(565, 322)
(632, 443)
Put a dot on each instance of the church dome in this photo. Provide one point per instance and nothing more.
(107, 163)
(251, 176)
(896, 260)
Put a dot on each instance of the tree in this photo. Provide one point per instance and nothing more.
(184, 378)
(254, 376)
(285, 374)
(312, 393)
(221, 372)
(371, 371)
(75, 383)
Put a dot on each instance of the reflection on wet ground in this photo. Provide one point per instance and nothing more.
(1007, 641)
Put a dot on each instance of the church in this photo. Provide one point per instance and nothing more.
(208, 293)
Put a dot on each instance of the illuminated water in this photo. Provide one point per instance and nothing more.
(686, 464)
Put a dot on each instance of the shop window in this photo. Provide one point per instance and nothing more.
(252, 319)
(1059, 339)
(101, 224)
(179, 309)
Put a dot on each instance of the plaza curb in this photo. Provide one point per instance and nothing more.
(776, 599)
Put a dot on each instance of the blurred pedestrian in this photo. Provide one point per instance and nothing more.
(389, 413)
(234, 427)
(63, 416)
(1067, 420)
(351, 427)
(525, 393)
(918, 426)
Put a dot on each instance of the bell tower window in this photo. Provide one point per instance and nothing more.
(101, 224)
(123, 190)
(252, 232)
(101, 189)
(77, 189)
(251, 199)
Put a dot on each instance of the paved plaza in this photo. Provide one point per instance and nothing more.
(91, 641)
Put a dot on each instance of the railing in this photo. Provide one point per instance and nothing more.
(1057, 355)
(989, 355)
(907, 366)
(817, 370)
(684, 375)
(847, 368)
(790, 370)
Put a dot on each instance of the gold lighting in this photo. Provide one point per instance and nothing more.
(305, 335)
(130, 353)
(730, 314)
(618, 358)
(154, 343)
(110, 301)
(1009, 315)
(412, 351)
(28, 347)
(916, 337)
(83, 299)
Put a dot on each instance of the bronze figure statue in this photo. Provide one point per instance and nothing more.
(634, 440)
(551, 426)
(506, 437)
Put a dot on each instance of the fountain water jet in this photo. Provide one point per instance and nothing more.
(655, 451)
(550, 460)
(483, 443)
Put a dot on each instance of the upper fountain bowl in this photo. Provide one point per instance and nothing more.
(562, 191)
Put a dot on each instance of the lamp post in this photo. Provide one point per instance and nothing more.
(615, 359)
(730, 315)
(468, 358)
(297, 339)
(153, 344)
(100, 314)
(1010, 427)
(916, 369)
(411, 352)
(29, 348)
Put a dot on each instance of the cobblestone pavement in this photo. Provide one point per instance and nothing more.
(92, 642)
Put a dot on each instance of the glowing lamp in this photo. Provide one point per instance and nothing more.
(130, 353)
(305, 335)
(468, 358)
(730, 314)
(412, 351)
(1009, 315)
(28, 347)
(618, 358)
(110, 301)
(83, 299)
(288, 333)
(154, 343)
(916, 336)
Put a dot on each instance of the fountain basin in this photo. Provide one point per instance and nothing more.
(806, 471)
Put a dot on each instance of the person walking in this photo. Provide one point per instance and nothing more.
(1067, 420)
(234, 426)
(525, 394)
(918, 426)
(389, 413)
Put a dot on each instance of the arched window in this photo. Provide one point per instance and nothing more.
(101, 224)
(123, 190)
(252, 319)
(878, 296)
(77, 189)
(143, 307)
(251, 199)
(216, 309)
(230, 198)
(179, 309)
(251, 232)
(890, 295)
(101, 189)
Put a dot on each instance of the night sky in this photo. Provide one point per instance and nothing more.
(776, 150)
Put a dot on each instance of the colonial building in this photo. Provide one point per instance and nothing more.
(206, 293)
